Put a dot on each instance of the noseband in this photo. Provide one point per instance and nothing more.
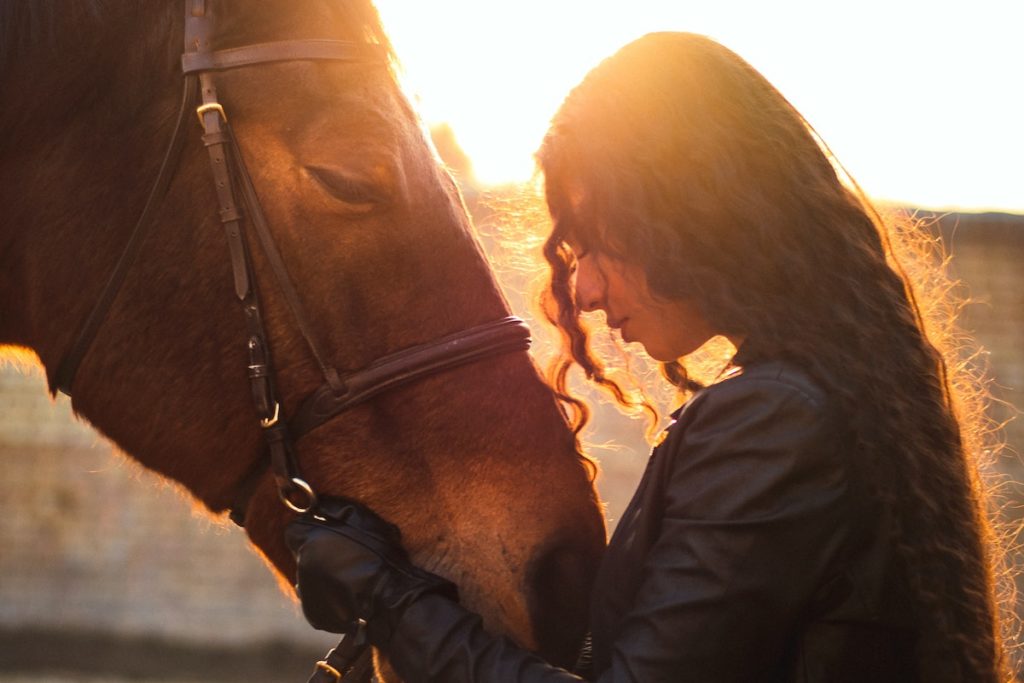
(339, 392)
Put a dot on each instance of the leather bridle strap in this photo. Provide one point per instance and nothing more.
(228, 171)
(273, 255)
(506, 335)
(467, 346)
(286, 51)
(221, 142)
(68, 367)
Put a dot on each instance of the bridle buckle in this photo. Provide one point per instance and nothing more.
(210, 106)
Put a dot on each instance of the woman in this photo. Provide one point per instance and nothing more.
(811, 516)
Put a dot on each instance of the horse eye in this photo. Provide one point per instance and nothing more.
(345, 187)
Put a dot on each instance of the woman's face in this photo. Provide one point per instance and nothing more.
(668, 329)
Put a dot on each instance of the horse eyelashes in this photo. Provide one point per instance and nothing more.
(344, 187)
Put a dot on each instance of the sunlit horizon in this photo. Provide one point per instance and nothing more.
(918, 100)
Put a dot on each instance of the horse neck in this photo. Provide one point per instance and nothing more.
(92, 95)
(87, 139)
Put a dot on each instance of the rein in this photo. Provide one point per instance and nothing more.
(231, 180)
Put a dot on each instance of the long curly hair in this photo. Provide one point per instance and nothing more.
(678, 155)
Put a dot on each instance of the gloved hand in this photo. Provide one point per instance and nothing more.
(351, 566)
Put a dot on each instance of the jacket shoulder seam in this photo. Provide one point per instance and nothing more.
(812, 394)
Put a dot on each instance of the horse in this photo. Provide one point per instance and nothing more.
(122, 267)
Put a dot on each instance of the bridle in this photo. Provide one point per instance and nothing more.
(338, 393)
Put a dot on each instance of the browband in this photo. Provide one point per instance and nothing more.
(282, 51)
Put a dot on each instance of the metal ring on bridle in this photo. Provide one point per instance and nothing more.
(322, 664)
(306, 490)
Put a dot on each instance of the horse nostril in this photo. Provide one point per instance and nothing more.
(558, 596)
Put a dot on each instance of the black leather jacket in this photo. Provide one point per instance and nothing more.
(750, 552)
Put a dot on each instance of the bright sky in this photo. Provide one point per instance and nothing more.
(922, 100)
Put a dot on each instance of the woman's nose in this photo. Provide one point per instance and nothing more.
(589, 286)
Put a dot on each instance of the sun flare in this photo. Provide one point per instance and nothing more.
(918, 99)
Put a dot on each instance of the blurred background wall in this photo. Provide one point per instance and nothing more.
(106, 568)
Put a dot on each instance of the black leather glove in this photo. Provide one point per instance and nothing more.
(351, 567)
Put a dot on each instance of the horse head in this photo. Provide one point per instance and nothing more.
(475, 465)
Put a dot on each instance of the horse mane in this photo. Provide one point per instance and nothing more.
(25, 26)
(61, 58)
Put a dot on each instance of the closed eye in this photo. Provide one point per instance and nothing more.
(359, 193)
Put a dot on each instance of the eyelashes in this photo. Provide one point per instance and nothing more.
(346, 187)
